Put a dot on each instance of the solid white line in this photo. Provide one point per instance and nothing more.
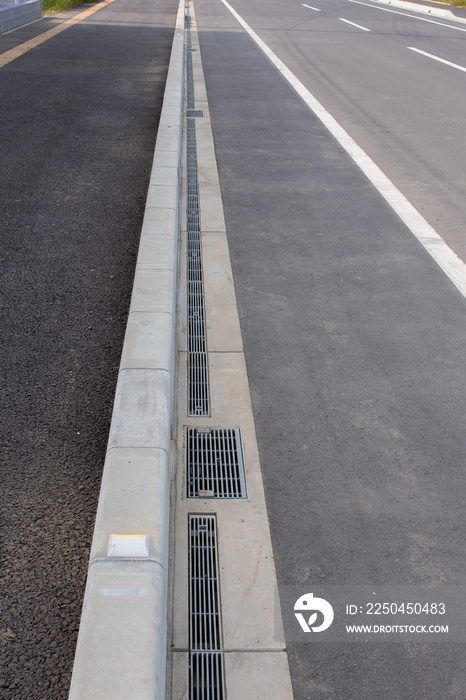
(437, 58)
(426, 235)
(396, 12)
(353, 24)
(310, 8)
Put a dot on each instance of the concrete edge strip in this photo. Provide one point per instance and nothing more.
(121, 651)
(416, 7)
(254, 655)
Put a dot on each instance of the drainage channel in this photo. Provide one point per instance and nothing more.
(206, 672)
(198, 379)
(206, 664)
(226, 643)
(214, 463)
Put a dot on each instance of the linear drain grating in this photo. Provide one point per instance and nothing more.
(206, 670)
(205, 632)
(206, 676)
(215, 467)
(189, 66)
(198, 376)
(206, 663)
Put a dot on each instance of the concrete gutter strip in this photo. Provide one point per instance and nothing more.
(121, 651)
(424, 9)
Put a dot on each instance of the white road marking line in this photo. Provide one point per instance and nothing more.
(443, 255)
(353, 24)
(437, 58)
(396, 12)
(310, 8)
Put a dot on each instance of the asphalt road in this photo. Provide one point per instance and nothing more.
(354, 337)
(402, 108)
(78, 121)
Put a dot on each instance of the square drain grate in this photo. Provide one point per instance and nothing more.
(214, 463)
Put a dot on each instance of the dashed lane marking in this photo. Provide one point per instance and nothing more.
(443, 255)
(353, 24)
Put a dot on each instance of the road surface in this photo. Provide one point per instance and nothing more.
(354, 337)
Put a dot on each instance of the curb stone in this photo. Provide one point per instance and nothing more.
(424, 9)
(121, 651)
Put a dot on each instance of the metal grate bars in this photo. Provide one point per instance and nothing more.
(215, 466)
(205, 629)
(198, 380)
(206, 676)
(206, 663)
(189, 65)
(206, 669)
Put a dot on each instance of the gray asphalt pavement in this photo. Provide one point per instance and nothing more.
(354, 338)
(78, 121)
(403, 109)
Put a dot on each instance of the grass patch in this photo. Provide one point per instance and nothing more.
(456, 3)
(50, 7)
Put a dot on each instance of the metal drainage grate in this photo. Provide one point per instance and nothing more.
(206, 676)
(214, 463)
(198, 375)
(206, 672)
(205, 627)
(198, 379)
(189, 65)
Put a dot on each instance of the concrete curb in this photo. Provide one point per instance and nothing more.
(121, 651)
(424, 9)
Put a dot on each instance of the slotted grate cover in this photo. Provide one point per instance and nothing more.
(198, 377)
(206, 676)
(206, 670)
(215, 466)
(205, 623)
(206, 665)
